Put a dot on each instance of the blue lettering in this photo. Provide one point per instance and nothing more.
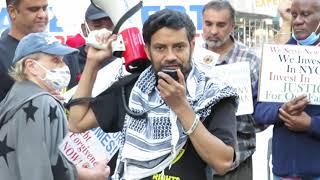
(177, 8)
(5, 22)
(146, 11)
(105, 139)
(110, 146)
(53, 27)
(108, 140)
(198, 10)
(116, 135)
(4, 19)
(99, 133)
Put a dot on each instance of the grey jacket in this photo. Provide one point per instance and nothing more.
(32, 125)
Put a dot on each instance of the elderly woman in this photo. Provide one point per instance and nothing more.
(32, 120)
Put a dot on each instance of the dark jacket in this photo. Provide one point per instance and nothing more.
(8, 46)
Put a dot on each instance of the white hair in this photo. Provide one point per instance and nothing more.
(17, 72)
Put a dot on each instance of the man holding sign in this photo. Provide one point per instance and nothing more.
(218, 24)
(295, 143)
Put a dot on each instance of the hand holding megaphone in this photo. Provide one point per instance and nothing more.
(129, 43)
(117, 46)
(99, 42)
(96, 38)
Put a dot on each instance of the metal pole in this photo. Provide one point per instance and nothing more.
(244, 32)
(250, 41)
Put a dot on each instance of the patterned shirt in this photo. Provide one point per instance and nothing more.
(246, 128)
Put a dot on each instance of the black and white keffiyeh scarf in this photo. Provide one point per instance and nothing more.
(151, 144)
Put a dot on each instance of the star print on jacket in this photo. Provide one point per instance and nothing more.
(5, 149)
(3, 120)
(30, 110)
(29, 142)
(53, 113)
(59, 170)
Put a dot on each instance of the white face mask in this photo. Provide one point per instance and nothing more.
(57, 78)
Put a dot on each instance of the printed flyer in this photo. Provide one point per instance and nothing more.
(288, 71)
(236, 75)
(88, 148)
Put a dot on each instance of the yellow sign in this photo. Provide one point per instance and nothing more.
(264, 3)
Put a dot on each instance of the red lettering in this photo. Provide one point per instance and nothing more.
(75, 157)
(77, 141)
(86, 135)
(69, 151)
(65, 146)
(72, 134)
(91, 158)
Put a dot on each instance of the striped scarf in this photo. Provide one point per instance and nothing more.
(150, 145)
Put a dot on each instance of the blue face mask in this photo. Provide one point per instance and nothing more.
(311, 39)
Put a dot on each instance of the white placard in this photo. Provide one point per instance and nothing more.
(288, 71)
(88, 148)
(236, 75)
(204, 58)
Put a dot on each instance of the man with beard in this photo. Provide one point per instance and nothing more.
(172, 129)
(218, 24)
(26, 16)
(296, 131)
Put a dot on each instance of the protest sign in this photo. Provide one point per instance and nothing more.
(236, 75)
(204, 58)
(88, 148)
(288, 71)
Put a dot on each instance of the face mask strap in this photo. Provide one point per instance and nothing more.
(47, 70)
(41, 66)
(87, 27)
(317, 28)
